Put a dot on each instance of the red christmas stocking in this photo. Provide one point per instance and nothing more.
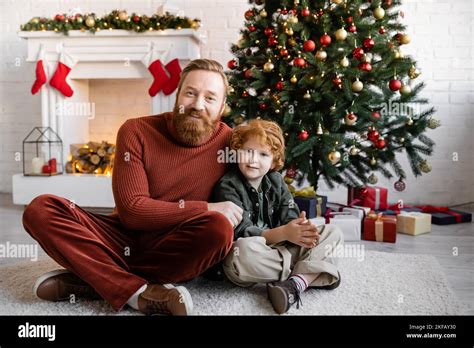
(40, 73)
(174, 69)
(160, 78)
(58, 81)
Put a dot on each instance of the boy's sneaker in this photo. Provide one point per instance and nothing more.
(283, 295)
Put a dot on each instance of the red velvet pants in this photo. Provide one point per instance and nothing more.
(115, 261)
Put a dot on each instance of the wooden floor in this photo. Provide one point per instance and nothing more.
(452, 245)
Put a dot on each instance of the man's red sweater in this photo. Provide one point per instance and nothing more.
(158, 182)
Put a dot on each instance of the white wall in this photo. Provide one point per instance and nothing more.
(441, 31)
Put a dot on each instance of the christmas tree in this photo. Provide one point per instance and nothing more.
(333, 75)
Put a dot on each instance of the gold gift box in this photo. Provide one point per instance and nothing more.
(413, 223)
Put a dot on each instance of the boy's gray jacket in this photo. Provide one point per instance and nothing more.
(278, 204)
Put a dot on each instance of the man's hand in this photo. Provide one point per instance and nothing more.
(229, 209)
(302, 232)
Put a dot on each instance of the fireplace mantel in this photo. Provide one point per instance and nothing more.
(107, 54)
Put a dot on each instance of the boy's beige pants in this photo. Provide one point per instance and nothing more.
(252, 261)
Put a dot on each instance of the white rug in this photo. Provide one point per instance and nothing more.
(382, 283)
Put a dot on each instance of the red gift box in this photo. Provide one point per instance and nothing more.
(380, 228)
(372, 197)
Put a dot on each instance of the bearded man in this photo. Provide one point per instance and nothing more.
(162, 230)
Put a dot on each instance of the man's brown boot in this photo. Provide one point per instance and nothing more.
(165, 300)
(59, 285)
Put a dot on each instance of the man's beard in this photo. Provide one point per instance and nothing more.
(193, 131)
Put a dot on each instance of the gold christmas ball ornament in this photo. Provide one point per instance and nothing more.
(354, 150)
(238, 120)
(90, 21)
(292, 19)
(227, 110)
(123, 16)
(405, 89)
(341, 34)
(357, 86)
(337, 2)
(344, 62)
(334, 156)
(398, 54)
(289, 31)
(288, 180)
(263, 13)
(433, 123)
(291, 42)
(414, 72)
(410, 121)
(268, 66)
(405, 39)
(307, 95)
(379, 13)
(293, 79)
(373, 161)
(321, 54)
(373, 179)
(425, 167)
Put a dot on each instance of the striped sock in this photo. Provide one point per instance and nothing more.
(300, 281)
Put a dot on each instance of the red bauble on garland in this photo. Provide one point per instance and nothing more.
(272, 41)
(305, 12)
(279, 85)
(252, 28)
(136, 19)
(373, 135)
(248, 73)
(365, 66)
(248, 14)
(283, 52)
(352, 29)
(380, 143)
(376, 114)
(59, 17)
(268, 31)
(299, 62)
(263, 106)
(368, 43)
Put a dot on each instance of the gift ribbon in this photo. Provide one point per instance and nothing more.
(377, 198)
(355, 198)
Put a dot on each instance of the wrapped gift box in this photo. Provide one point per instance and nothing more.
(313, 206)
(398, 211)
(373, 197)
(380, 228)
(413, 223)
(450, 217)
(349, 224)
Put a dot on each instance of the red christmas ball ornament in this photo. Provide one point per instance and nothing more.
(245, 94)
(337, 81)
(59, 17)
(291, 172)
(395, 85)
(136, 19)
(279, 85)
(304, 135)
(349, 19)
(320, 12)
(46, 169)
(252, 28)
(309, 46)
(373, 135)
(365, 66)
(283, 52)
(232, 64)
(268, 31)
(263, 106)
(358, 53)
(248, 14)
(397, 37)
(352, 29)
(284, 11)
(294, 11)
(299, 62)
(368, 43)
(305, 12)
(382, 30)
(248, 73)
(380, 143)
(400, 185)
(272, 41)
(325, 40)
(376, 114)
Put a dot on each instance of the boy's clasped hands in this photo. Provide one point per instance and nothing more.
(302, 232)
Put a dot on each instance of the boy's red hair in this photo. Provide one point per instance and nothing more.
(268, 132)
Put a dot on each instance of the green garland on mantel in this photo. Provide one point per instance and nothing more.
(118, 19)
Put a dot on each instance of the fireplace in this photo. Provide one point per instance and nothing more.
(105, 60)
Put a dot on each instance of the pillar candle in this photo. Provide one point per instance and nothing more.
(37, 165)
(52, 164)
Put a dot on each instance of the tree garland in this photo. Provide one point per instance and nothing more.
(118, 19)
